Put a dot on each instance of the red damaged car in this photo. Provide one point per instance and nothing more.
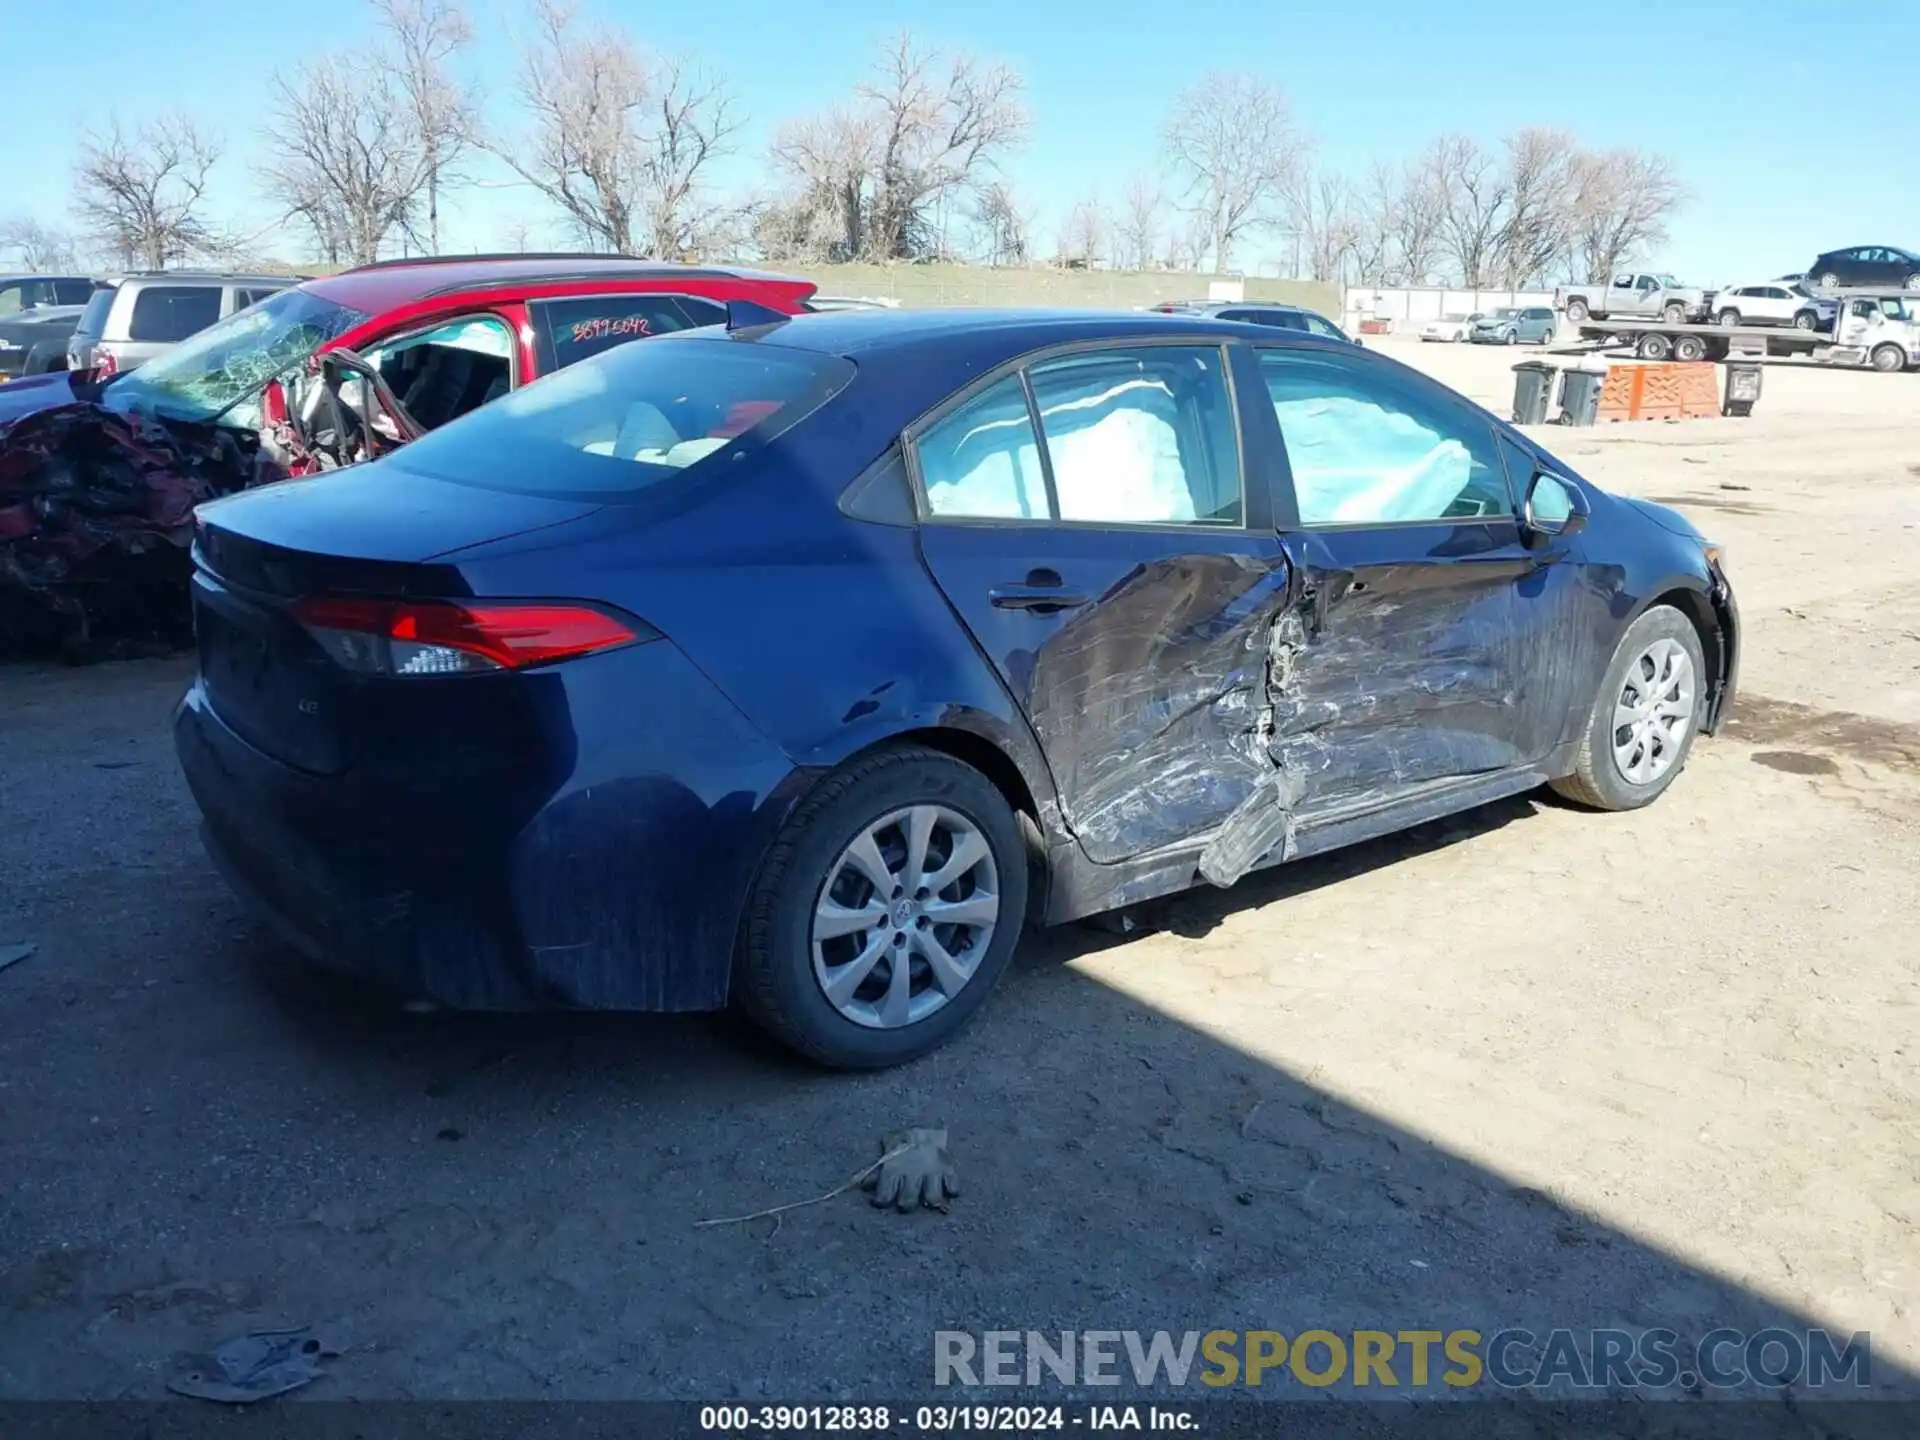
(98, 479)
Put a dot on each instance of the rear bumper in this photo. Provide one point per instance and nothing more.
(621, 889)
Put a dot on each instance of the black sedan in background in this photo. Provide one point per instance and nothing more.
(806, 662)
(1866, 265)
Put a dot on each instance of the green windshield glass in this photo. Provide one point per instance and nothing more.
(208, 374)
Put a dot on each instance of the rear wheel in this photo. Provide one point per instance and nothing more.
(1689, 347)
(1644, 718)
(1830, 281)
(1806, 320)
(1653, 347)
(1912, 282)
(885, 911)
(1576, 310)
(1889, 358)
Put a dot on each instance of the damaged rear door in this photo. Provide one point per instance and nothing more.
(1091, 521)
(1431, 643)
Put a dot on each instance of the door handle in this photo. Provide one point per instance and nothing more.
(1041, 602)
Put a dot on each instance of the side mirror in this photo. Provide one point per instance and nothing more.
(1554, 508)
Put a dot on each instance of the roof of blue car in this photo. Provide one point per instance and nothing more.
(866, 332)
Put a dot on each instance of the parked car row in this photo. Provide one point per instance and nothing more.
(37, 313)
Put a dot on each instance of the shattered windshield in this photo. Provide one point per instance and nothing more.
(208, 374)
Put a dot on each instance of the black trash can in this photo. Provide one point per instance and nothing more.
(1532, 389)
(1580, 394)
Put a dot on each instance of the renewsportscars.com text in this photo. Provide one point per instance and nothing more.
(1511, 1359)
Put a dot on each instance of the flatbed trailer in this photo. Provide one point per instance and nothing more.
(1872, 323)
(1656, 340)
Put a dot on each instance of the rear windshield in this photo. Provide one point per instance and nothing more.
(93, 319)
(622, 421)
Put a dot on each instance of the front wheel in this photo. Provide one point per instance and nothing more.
(885, 911)
(1576, 310)
(1889, 358)
(1644, 718)
(1675, 314)
(1729, 318)
(1512, 338)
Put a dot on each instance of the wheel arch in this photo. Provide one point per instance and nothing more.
(1716, 630)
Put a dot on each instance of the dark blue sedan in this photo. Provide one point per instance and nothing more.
(806, 663)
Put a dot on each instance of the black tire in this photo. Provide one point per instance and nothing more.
(1689, 347)
(1806, 320)
(1596, 780)
(1577, 310)
(1728, 318)
(1888, 359)
(1912, 282)
(1674, 314)
(1829, 281)
(1653, 347)
(773, 977)
(1513, 337)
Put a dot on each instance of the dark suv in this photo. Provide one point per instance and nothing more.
(37, 314)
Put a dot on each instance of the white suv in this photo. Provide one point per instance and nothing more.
(1772, 302)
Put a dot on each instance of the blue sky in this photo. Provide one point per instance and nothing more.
(1743, 97)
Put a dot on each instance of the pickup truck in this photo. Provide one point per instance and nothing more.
(1640, 296)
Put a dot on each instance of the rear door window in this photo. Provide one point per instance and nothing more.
(168, 313)
(93, 319)
(72, 292)
(568, 331)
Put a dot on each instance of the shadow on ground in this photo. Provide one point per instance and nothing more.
(206, 1140)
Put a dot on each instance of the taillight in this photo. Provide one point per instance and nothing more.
(441, 637)
(104, 363)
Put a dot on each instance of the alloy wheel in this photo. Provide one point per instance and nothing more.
(905, 916)
(1654, 712)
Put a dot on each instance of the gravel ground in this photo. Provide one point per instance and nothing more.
(1529, 1066)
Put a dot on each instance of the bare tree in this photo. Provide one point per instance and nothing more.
(344, 153)
(1621, 203)
(1477, 189)
(140, 194)
(693, 120)
(426, 35)
(878, 178)
(1136, 232)
(828, 160)
(1538, 226)
(1082, 240)
(1376, 221)
(940, 125)
(1006, 229)
(36, 247)
(1420, 215)
(621, 147)
(1325, 221)
(1238, 155)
